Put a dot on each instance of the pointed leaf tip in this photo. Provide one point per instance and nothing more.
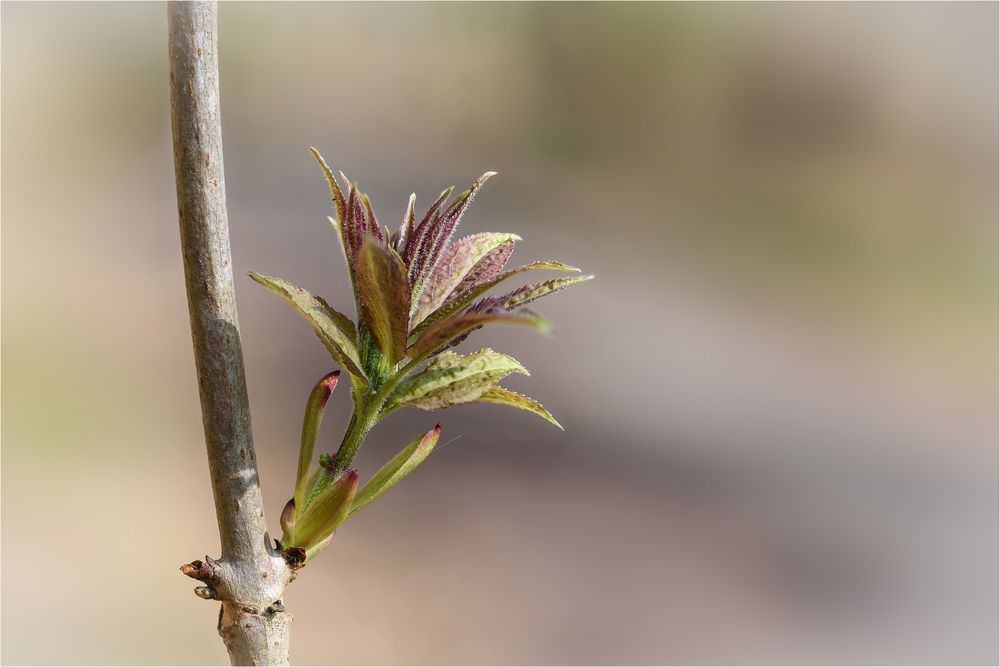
(525, 295)
(329, 382)
(469, 290)
(520, 401)
(396, 469)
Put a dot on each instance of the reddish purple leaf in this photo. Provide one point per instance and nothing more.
(445, 332)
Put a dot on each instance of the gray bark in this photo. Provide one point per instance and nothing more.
(250, 577)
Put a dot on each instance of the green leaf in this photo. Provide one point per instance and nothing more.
(343, 322)
(384, 295)
(340, 345)
(335, 191)
(399, 467)
(459, 301)
(315, 407)
(516, 400)
(442, 333)
(406, 226)
(460, 257)
(327, 511)
(340, 205)
(452, 378)
(317, 549)
(529, 293)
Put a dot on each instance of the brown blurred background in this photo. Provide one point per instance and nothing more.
(780, 394)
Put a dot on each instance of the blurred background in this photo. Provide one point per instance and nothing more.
(780, 394)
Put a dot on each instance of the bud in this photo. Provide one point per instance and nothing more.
(327, 511)
(315, 406)
(288, 519)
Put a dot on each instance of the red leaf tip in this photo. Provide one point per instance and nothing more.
(326, 386)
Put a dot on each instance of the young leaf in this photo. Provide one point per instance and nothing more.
(396, 469)
(335, 191)
(452, 378)
(327, 511)
(384, 295)
(412, 256)
(444, 332)
(456, 263)
(406, 227)
(520, 401)
(342, 321)
(373, 227)
(355, 225)
(440, 233)
(464, 200)
(340, 346)
(463, 296)
(525, 295)
(488, 268)
(316, 550)
(342, 206)
(315, 407)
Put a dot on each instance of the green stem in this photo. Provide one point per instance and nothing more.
(324, 476)
(366, 415)
(369, 416)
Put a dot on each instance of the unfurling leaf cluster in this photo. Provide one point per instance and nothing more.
(417, 293)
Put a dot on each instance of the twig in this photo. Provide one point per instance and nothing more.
(250, 577)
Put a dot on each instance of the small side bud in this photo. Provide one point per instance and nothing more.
(288, 517)
(206, 593)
